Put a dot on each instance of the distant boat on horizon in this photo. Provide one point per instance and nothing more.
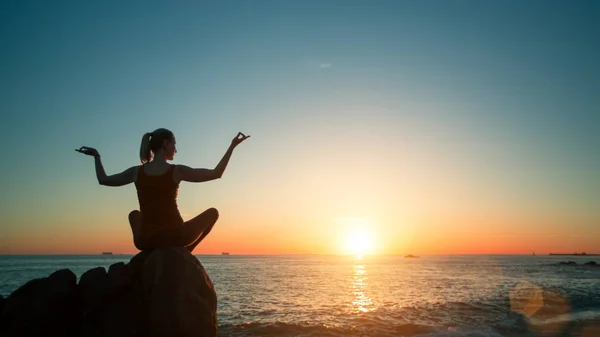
(225, 253)
(107, 253)
(573, 254)
(410, 256)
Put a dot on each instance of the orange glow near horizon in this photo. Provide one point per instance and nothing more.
(356, 236)
(326, 229)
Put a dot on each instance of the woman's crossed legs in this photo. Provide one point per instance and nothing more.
(189, 235)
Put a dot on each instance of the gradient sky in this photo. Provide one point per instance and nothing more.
(431, 126)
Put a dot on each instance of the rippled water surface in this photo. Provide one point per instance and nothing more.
(380, 295)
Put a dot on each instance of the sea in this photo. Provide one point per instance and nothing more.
(384, 295)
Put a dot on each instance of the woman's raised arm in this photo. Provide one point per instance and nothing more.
(119, 179)
(200, 174)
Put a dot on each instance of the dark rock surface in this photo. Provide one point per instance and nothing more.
(568, 263)
(165, 292)
(573, 263)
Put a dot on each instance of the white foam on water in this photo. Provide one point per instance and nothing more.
(463, 333)
(576, 316)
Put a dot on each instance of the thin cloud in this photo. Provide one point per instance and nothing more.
(325, 65)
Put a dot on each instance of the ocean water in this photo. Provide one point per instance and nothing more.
(432, 296)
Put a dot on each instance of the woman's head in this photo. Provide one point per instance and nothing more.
(159, 141)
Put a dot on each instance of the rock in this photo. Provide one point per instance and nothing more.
(42, 307)
(591, 263)
(118, 276)
(93, 288)
(95, 285)
(117, 305)
(179, 298)
(568, 263)
(120, 315)
(165, 292)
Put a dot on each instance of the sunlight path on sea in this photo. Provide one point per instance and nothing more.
(360, 283)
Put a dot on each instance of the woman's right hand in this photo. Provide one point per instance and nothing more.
(90, 151)
(238, 139)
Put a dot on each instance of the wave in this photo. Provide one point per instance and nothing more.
(516, 327)
(437, 320)
(322, 330)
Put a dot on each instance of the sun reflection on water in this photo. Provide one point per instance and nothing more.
(361, 303)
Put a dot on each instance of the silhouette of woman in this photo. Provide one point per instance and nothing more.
(158, 222)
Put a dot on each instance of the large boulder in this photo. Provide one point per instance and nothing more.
(179, 297)
(165, 292)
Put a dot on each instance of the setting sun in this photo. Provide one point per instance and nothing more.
(357, 235)
(358, 242)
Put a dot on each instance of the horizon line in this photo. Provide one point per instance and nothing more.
(304, 254)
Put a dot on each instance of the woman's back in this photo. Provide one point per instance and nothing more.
(157, 195)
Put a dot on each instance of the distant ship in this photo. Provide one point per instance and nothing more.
(225, 253)
(574, 254)
(409, 256)
(107, 253)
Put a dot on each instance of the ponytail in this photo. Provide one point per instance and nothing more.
(145, 154)
(152, 142)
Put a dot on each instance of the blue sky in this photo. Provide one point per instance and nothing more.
(496, 96)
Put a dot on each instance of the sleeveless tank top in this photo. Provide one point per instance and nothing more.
(157, 196)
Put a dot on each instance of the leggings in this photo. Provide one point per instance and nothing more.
(188, 235)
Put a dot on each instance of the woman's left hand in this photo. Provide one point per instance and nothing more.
(90, 151)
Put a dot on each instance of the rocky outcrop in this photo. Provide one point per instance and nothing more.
(573, 263)
(165, 292)
(568, 263)
(45, 306)
(1, 303)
